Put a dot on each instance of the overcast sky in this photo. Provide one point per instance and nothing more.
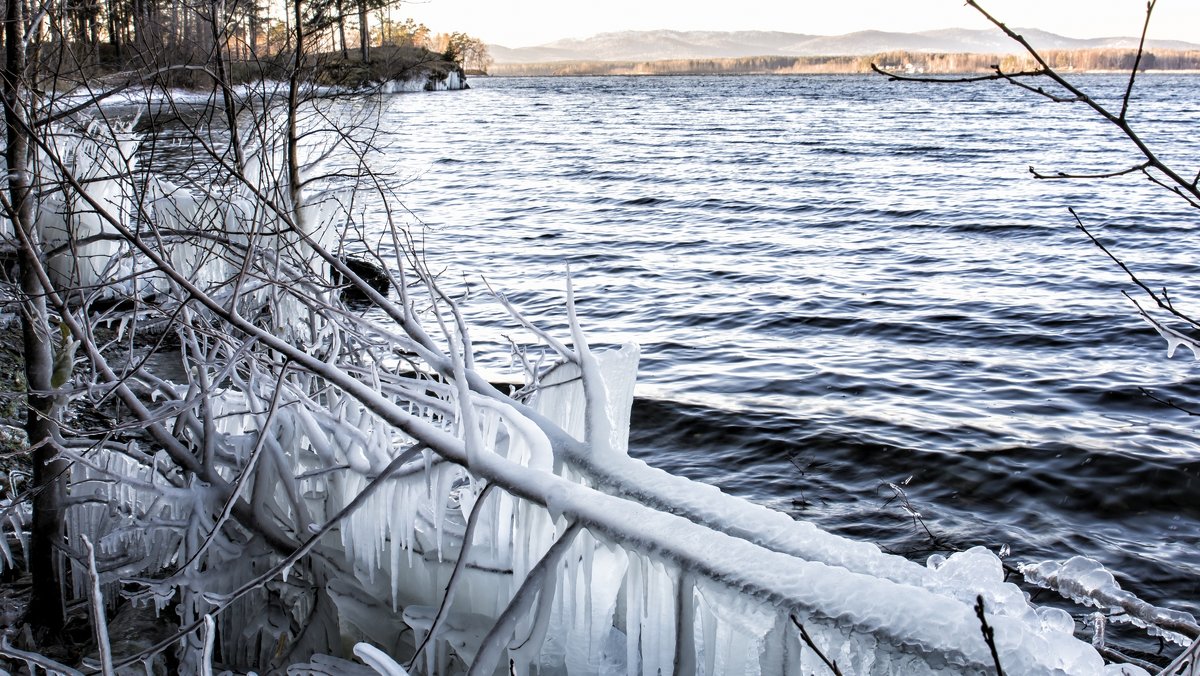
(525, 23)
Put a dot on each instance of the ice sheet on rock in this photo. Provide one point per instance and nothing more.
(424, 82)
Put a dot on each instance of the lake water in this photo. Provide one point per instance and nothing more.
(839, 282)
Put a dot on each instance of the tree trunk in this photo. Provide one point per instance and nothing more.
(173, 40)
(94, 31)
(252, 19)
(342, 32)
(293, 136)
(114, 29)
(364, 32)
(217, 22)
(49, 475)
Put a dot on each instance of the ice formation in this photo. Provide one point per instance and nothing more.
(641, 588)
(87, 166)
(1173, 338)
(425, 82)
(400, 487)
(1087, 582)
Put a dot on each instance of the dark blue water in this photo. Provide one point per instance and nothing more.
(839, 282)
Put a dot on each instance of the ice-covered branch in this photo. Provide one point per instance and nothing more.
(1086, 581)
(96, 605)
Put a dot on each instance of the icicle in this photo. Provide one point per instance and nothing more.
(1098, 626)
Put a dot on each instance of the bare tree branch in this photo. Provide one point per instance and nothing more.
(1112, 174)
(833, 666)
(1137, 61)
(1158, 300)
(989, 634)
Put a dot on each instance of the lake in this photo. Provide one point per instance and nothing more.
(839, 283)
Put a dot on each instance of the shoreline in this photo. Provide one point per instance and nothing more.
(490, 76)
(1074, 62)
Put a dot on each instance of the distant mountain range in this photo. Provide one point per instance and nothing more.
(667, 44)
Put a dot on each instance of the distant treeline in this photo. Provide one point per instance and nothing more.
(909, 62)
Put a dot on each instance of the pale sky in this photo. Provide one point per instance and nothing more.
(525, 23)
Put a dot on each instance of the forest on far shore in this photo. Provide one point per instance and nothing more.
(1077, 60)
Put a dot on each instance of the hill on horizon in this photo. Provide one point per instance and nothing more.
(659, 45)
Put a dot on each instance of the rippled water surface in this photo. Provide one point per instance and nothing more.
(839, 282)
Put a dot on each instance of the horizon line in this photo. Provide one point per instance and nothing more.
(1019, 29)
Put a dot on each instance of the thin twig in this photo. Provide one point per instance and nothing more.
(1149, 292)
(809, 642)
(908, 507)
(1120, 122)
(997, 75)
(1167, 402)
(989, 634)
(459, 565)
(96, 604)
(1137, 60)
(235, 492)
(1058, 175)
(1117, 657)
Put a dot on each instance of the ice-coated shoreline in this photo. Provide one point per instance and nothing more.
(425, 81)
